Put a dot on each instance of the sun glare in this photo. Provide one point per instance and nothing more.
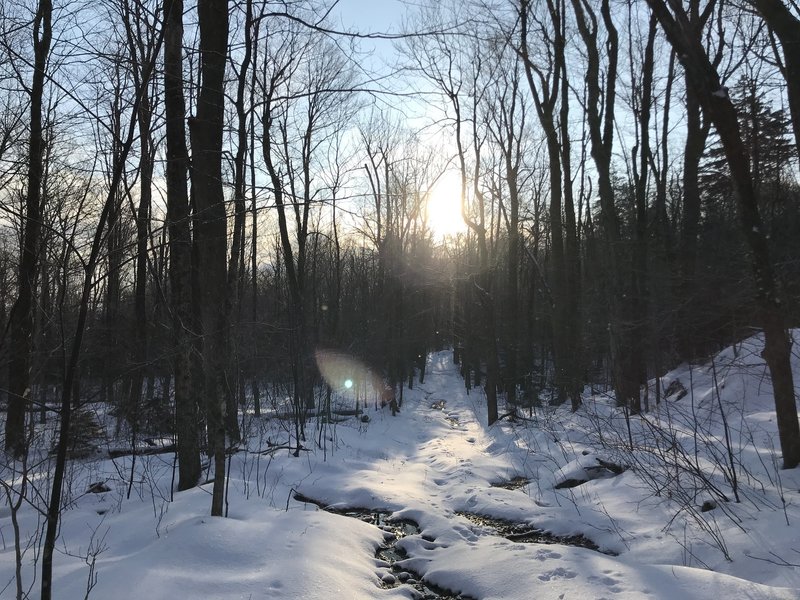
(444, 206)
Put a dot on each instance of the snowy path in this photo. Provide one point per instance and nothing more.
(430, 464)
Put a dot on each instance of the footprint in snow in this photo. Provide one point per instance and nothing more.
(605, 580)
(559, 573)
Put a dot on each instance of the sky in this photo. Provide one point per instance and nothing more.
(376, 16)
(371, 15)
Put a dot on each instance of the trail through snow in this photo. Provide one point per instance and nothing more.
(434, 463)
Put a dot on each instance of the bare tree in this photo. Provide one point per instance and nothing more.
(600, 107)
(697, 129)
(642, 102)
(141, 37)
(506, 109)
(180, 241)
(278, 70)
(21, 319)
(549, 87)
(233, 381)
(210, 221)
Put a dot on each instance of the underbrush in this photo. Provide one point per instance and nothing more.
(706, 456)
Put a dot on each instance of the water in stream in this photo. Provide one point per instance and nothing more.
(517, 483)
(526, 534)
(389, 553)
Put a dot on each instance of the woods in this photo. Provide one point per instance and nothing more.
(197, 198)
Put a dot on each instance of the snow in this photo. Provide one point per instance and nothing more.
(436, 461)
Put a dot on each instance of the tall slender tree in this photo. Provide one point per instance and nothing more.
(180, 241)
(141, 36)
(210, 226)
(236, 262)
(697, 129)
(549, 87)
(600, 111)
(444, 63)
(21, 319)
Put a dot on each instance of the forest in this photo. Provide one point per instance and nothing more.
(210, 209)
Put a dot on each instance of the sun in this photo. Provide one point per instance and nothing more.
(443, 207)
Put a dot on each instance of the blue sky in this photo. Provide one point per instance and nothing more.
(371, 15)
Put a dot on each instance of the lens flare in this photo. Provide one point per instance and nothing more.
(344, 372)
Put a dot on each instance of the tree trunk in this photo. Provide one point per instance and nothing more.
(210, 239)
(235, 261)
(294, 268)
(546, 96)
(639, 294)
(254, 248)
(140, 38)
(180, 244)
(696, 136)
(142, 236)
(572, 262)
(21, 325)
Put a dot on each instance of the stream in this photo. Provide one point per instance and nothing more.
(388, 552)
(527, 534)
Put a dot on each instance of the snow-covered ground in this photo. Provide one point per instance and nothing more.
(435, 463)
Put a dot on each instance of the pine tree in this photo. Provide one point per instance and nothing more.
(766, 137)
